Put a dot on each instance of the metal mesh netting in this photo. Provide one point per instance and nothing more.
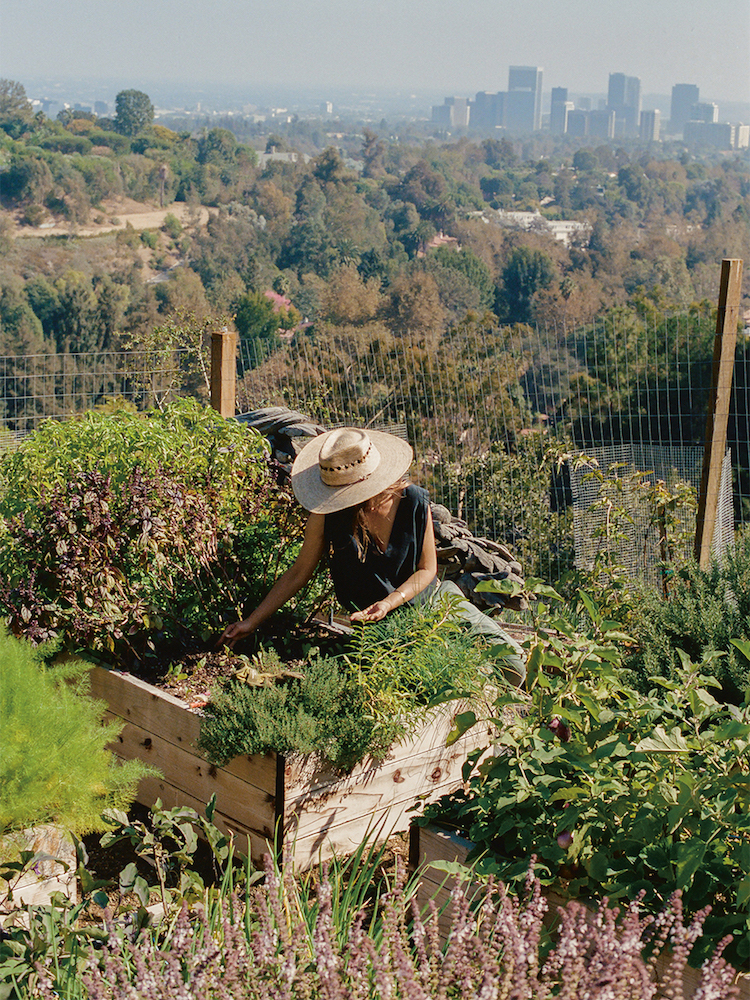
(634, 468)
(487, 410)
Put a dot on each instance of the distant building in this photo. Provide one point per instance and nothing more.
(650, 125)
(742, 137)
(578, 123)
(523, 102)
(326, 108)
(602, 124)
(624, 98)
(487, 111)
(101, 109)
(560, 107)
(452, 113)
(717, 135)
(684, 96)
(704, 112)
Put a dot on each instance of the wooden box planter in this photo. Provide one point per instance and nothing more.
(432, 843)
(311, 812)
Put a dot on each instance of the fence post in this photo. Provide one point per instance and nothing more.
(725, 343)
(223, 371)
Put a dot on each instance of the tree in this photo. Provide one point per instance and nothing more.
(256, 319)
(16, 113)
(134, 112)
(526, 272)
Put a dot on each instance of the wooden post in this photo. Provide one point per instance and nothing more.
(725, 342)
(223, 372)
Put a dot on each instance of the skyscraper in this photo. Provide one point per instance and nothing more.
(560, 107)
(523, 104)
(650, 125)
(684, 96)
(487, 110)
(624, 98)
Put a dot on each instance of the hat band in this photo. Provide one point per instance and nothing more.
(362, 468)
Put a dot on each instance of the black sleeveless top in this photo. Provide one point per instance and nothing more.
(359, 583)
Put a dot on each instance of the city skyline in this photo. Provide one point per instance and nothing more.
(417, 44)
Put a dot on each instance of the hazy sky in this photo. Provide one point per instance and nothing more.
(449, 46)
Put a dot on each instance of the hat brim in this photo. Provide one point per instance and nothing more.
(312, 493)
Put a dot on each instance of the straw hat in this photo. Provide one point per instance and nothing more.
(346, 467)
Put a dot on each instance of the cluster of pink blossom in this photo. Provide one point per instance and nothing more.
(493, 952)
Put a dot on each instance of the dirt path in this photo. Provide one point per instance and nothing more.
(117, 215)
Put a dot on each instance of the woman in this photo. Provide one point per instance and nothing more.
(375, 529)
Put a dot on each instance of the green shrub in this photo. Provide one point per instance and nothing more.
(131, 533)
(706, 609)
(172, 226)
(54, 765)
(613, 791)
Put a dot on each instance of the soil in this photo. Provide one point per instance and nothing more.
(113, 214)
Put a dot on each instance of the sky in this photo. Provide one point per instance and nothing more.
(441, 46)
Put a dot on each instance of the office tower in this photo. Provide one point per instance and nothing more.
(718, 135)
(560, 106)
(602, 124)
(650, 125)
(523, 102)
(452, 113)
(624, 98)
(487, 111)
(704, 112)
(684, 96)
(578, 123)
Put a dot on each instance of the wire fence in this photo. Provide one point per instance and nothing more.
(495, 416)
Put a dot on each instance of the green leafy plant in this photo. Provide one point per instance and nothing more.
(614, 791)
(324, 714)
(45, 944)
(132, 534)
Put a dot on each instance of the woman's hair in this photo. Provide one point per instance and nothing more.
(361, 510)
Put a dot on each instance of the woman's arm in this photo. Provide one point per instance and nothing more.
(421, 578)
(287, 585)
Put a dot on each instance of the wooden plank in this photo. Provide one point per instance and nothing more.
(376, 804)
(236, 798)
(159, 788)
(725, 342)
(399, 781)
(431, 733)
(157, 711)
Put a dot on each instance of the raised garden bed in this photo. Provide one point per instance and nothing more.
(304, 810)
(433, 843)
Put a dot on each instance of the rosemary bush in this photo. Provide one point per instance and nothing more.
(323, 713)
(706, 609)
(344, 708)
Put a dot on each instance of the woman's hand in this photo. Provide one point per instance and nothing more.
(375, 613)
(234, 633)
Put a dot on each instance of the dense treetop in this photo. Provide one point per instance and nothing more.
(401, 232)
